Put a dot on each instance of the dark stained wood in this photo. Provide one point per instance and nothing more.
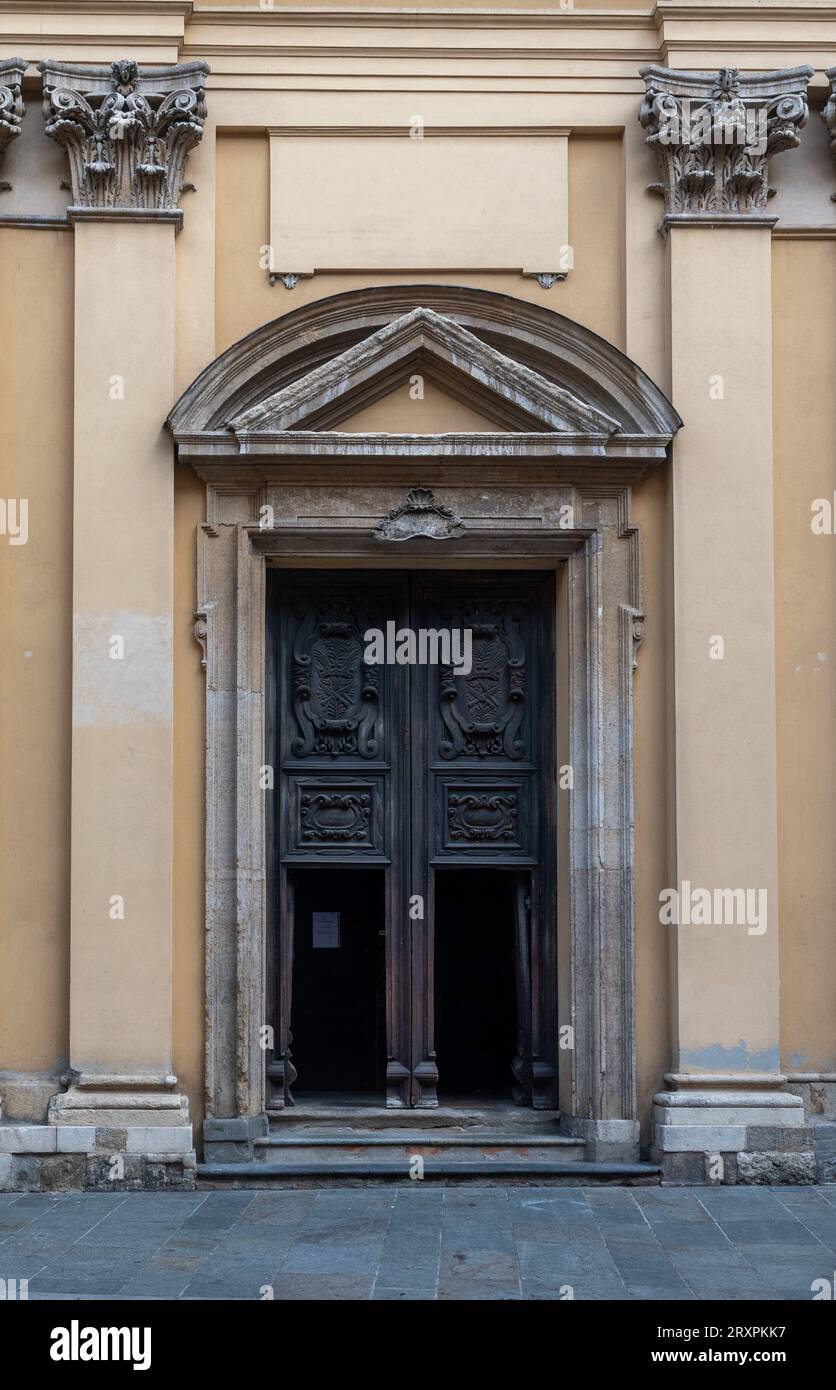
(418, 768)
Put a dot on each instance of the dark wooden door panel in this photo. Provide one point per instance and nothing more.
(420, 768)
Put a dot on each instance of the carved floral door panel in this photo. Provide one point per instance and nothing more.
(414, 768)
(482, 793)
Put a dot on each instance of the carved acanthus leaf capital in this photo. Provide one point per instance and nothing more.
(127, 130)
(713, 134)
(11, 102)
(829, 112)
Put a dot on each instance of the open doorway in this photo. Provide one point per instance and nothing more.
(475, 983)
(338, 1014)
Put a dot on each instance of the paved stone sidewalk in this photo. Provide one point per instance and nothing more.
(424, 1243)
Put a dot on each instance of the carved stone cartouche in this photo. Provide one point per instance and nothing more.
(419, 515)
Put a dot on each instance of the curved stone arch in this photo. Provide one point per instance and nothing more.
(287, 348)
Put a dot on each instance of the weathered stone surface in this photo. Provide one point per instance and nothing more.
(713, 134)
(75, 1138)
(700, 1138)
(776, 1167)
(795, 1139)
(112, 1140)
(232, 1151)
(26, 1173)
(27, 1139)
(127, 130)
(239, 1127)
(100, 1174)
(159, 1139)
(63, 1172)
(11, 102)
(25, 1096)
(168, 1177)
(680, 1167)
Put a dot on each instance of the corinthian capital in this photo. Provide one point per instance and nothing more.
(127, 131)
(11, 102)
(713, 134)
(829, 112)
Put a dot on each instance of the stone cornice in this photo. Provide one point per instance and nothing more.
(713, 134)
(127, 131)
(11, 103)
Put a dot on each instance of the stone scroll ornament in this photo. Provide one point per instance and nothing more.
(713, 134)
(127, 130)
(11, 105)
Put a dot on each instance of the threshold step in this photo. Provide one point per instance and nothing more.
(379, 1139)
(477, 1145)
(365, 1117)
(326, 1172)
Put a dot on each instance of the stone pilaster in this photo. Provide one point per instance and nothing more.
(725, 1113)
(127, 132)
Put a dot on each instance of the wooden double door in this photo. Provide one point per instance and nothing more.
(411, 723)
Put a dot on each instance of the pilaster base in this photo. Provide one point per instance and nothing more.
(105, 1134)
(732, 1129)
(120, 1101)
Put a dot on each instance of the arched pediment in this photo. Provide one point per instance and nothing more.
(547, 384)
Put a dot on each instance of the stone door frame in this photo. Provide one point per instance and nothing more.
(578, 423)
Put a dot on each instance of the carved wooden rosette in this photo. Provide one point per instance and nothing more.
(713, 134)
(11, 104)
(127, 130)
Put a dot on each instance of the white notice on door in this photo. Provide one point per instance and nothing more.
(326, 930)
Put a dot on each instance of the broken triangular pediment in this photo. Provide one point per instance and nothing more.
(428, 346)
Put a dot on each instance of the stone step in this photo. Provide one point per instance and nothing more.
(475, 1145)
(336, 1171)
(371, 1117)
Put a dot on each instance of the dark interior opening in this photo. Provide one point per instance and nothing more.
(475, 982)
(338, 1015)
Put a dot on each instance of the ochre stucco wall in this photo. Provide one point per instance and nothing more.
(36, 462)
(804, 288)
(36, 269)
(244, 298)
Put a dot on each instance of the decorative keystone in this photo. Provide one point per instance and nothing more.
(127, 131)
(713, 134)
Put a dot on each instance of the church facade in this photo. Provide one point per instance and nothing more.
(419, 569)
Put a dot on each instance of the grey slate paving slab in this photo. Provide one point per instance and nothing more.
(445, 1244)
